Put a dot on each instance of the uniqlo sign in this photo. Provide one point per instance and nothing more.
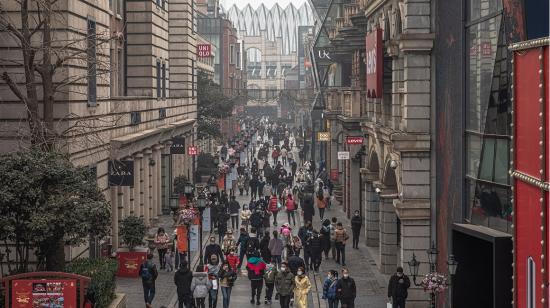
(192, 150)
(204, 50)
(354, 140)
(374, 58)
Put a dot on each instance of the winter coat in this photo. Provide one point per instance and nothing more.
(329, 288)
(256, 268)
(234, 207)
(325, 239)
(270, 274)
(303, 286)
(182, 279)
(307, 207)
(233, 261)
(290, 204)
(398, 289)
(345, 288)
(356, 223)
(227, 278)
(295, 262)
(243, 238)
(273, 204)
(228, 243)
(284, 282)
(213, 249)
(245, 214)
(162, 241)
(315, 245)
(340, 235)
(276, 246)
(200, 285)
(264, 249)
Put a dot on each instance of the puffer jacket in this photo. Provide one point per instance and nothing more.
(329, 288)
(284, 282)
(340, 235)
(256, 268)
(200, 285)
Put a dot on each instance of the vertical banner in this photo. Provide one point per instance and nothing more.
(194, 238)
(206, 220)
(374, 58)
(181, 231)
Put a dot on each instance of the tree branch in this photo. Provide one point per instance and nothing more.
(13, 87)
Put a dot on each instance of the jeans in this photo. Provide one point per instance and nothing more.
(332, 303)
(284, 300)
(185, 300)
(333, 249)
(242, 253)
(355, 233)
(199, 302)
(321, 213)
(235, 222)
(276, 259)
(269, 290)
(293, 215)
(148, 292)
(341, 253)
(275, 217)
(398, 302)
(256, 286)
(162, 252)
(212, 298)
(348, 302)
(226, 293)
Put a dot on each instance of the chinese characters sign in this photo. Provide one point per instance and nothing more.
(374, 58)
(38, 293)
(192, 150)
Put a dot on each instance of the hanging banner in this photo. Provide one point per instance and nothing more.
(194, 238)
(178, 145)
(206, 221)
(181, 232)
(30, 293)
(121, 172)
(374, 58)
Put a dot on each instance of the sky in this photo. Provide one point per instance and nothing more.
(256, 3)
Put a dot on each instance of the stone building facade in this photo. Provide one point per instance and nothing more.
(142, 98)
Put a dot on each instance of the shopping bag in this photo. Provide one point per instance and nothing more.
(389, 305)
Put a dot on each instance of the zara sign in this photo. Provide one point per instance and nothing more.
(374, 58)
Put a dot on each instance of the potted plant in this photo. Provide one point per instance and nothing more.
(132, 231)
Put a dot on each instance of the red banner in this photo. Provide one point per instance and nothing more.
(204, 50)
(38, 293)
(374, 59)
(354, 140)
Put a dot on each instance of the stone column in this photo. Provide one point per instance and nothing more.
(372, 219)
(388, 230)
(157, 182)
(146, 192)
(114, 216)
(137, 201)
(127, 197)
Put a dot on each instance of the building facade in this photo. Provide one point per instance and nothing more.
(135, 94)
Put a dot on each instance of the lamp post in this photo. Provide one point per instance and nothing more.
(201, 205)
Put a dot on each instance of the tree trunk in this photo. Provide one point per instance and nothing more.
(55, 256)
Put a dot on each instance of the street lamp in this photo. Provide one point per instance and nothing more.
(188, 188)
(216, 160)
(432, 256)
(413, 267)
(452, 264)
(201, 205)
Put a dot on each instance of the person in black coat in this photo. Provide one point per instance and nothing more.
(234, 208)
(212, 249)
(346, 290)
(325, 237)
(308, 208)
(295, 262)
(398, 288)
(223, 219)
(316, 250)
(265, 253)
(356, 223)
(182, 279)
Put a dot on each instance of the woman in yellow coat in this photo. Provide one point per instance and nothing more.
(301, 290)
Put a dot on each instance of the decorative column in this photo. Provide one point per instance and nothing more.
(371, 202)
(127, 197)
(388, 230)
(146, 186)
(156, 197)
(137, 188)
(114, 216)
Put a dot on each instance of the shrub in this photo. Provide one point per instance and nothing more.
(132, 231)
(102, 272)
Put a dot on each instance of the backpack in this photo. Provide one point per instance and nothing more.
(146, 271)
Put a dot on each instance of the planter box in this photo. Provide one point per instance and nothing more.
(130, 261)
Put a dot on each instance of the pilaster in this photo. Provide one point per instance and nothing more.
(137, 199)
(146, 193)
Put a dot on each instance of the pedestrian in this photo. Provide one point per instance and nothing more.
(256, 270)
(325, 237)
(182, 279)
(301, 291)
(233, 259)
(308, 209)
(228, 242)
(227, 276)
(223, 219)
(241, 242)
(340, 238)
(398, 288)
(169, 260)
(245, 216)
(346, 290)
(213, 268)
(148, 273)
(291, 209)
(240, 183)
(305, 235)
(284, 153)
(356, 223)
(293, 165)
(265, 253)
(295, 262)
(252, 244)
(276, 247)
(212, 249)
(200, 285)
(321, 205)
(162, 241)
(274, 207)
(316, 248)
(329, 289)
(269, 279)
(254, 187)
(333, 224)
(234, 208)
(284, 283)
(261, 186)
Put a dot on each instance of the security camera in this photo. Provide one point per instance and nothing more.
(377, 190)
(393, 164)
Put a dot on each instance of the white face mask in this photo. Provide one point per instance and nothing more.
(345, 275)
(300, 273)
(283, 268)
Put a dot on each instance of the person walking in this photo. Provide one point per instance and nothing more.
(241, 243)
(356, 223)
(301, 291)
(162, 241)
(223, 218)
(228, 242)
(316, 248)
(329, 289)
(213, 269)
(340, 238)
(325, 237)
(398, 288)
(234, 208)
(169, 260)
(256, 270)
(290, 206)
(148, 273)
(182, 279)
(265, 252)
(321, 205)
(284, 283)
(245, 215)
(233, 259)
(276, 247)
(333, 223)
(308, 209)
(346, 290)
(200, 285)
(269, 279)
(227, 277)
(212, 249)
(274, 207)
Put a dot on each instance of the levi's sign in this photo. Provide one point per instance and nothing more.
(204, 50)
(354, 140)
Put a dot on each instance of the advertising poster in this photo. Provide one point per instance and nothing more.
(194, 238)
(206, 220)
(44, 293)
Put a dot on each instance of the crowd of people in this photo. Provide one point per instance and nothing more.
(278, 258)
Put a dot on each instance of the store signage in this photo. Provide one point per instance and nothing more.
(323, 136)
(374, 58)
(206, 220)
(29, 293)
(354, 140)
(204, 50)
(121, 172)
(193, 150)
(323, 54)
(343, 155)
(178, 145)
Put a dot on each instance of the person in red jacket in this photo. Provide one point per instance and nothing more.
(291, 209)
(233, 259)
(273, 207)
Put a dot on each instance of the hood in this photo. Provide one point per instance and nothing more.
(254, 260)
(183, 270)
(200, 275)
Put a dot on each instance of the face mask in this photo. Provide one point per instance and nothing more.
(345, 275)
(356, 214)
(300, 273)
(283, 268)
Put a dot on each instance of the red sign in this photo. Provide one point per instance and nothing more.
(334, 174)
(129, 263)
(193, 150)
(374, 58)
(204, 50)
(30, 293)
(354, 140)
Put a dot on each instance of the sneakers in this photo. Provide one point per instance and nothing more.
(258, 303)
(265, 301)
(252, 301)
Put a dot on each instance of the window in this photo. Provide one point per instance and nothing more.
(531, 283)
(238, 57)
(231, 54)
(91, 57)
(193, 78)
(163, 4)
(135, 118)
(158, 2)
(162, 113)
(158, 79)
(193, 17)
(163, 79)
